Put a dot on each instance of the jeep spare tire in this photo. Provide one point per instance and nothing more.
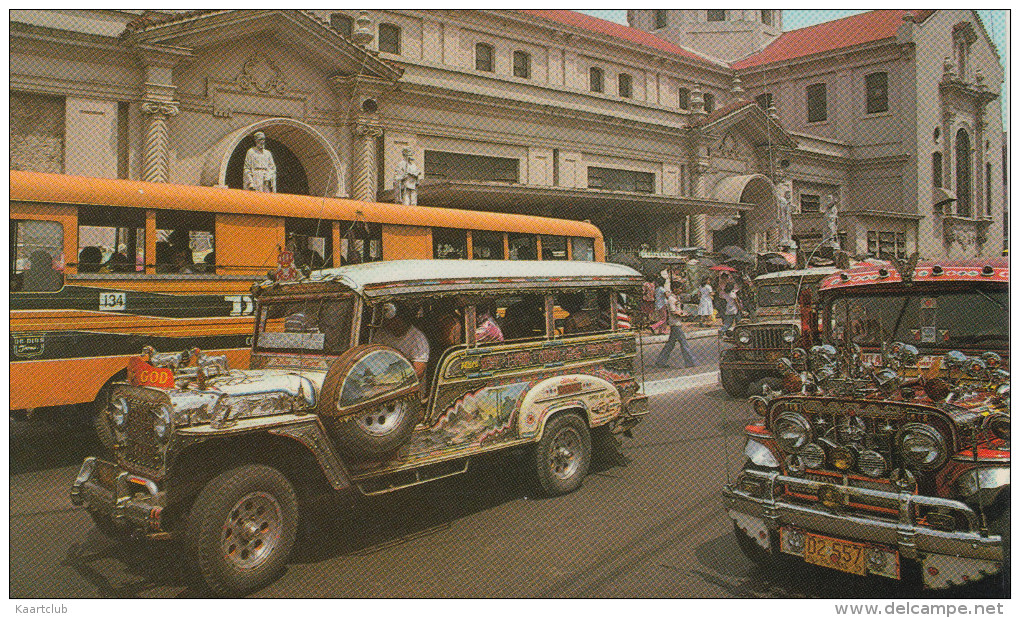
(370, 401)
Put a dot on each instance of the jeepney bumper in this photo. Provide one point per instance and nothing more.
(635, 410)
(131, 502)
(965, 554)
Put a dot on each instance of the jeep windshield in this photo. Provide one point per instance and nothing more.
(977, 318)
(778, 295)
(310, 326)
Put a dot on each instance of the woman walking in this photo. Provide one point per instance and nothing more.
(705, 302)
(732, 309)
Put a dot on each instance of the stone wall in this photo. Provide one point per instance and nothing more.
(37, 132)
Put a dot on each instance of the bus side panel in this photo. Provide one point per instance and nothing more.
(405, 242)
(247, 245)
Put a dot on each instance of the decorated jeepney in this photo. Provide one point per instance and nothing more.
(784, 319)
(886, 449)
(372, 378)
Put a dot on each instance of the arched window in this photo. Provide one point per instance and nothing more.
(709, 102)
(661, 18)
(936, 169)
(522, 64)
(595, 79)
(626, 87)
(684, 98)
(389, 38)
(484, 54)
(964, 200)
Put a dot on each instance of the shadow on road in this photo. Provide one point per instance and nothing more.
(37, 446)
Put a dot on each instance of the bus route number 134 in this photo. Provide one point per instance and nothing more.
(112, 301)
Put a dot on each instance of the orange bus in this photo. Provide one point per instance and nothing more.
(101, 268)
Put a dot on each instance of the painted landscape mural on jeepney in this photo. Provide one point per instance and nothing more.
(477, 417)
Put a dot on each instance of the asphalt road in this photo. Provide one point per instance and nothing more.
(647, 522)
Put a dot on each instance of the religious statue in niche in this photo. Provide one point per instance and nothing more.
(406, 179)
(784, 216)
(259, 167)
(831, 218)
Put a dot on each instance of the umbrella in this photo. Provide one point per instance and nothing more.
(734, 253)
(723, 267)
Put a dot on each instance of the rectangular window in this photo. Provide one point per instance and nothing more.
(661, 18)
(457, 166)
(111, 240)
(684, 98)
(360, 242)
(988, 189)
(449, 244)
(389, 38)
(716, 15)
(709, 102)
(37, 256)
(554, 248)
(582, 249)
(311, 241)
(817, 107)
(810, 203)
(764, 101)
(484, 54)
(901, 245)
(184, 242)
(886, 245)
(936, 169)
(486, 245)
(523, 247)
(877, 87)
(768, 17)
(626, 87)
(621, 180)
(522, 64)
(342, 24)
(595, 80)
(872, 244)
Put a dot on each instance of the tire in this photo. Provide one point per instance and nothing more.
(97, 409)
(377, 432)
(732, 382)
(758, 386)
(563, 454)
(241, 529)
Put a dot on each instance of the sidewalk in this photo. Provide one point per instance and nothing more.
(698, 332)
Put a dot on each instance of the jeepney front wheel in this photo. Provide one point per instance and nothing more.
(563, 454)
(733, 382)
(242, 528)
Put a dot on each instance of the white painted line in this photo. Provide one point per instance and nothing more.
(681, 383)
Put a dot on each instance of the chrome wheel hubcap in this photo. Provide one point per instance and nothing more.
(252, 530)
(383, 420)
(566, 449)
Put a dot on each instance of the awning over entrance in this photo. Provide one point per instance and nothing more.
(568, 203)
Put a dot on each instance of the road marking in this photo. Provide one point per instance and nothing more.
(681, 383)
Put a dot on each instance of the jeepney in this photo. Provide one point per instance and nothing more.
(886, 451)
(218, 457)
(784, 319)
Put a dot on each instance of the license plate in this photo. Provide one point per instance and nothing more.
(835, 554)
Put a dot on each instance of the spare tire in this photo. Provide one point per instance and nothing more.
(370, 401)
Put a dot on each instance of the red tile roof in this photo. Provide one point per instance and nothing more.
(837, 34)
(613, 29)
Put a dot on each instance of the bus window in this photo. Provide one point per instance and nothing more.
(487, 245)
(184, 242)
(554, 248)
(583, 249)
(523, 247)
(449, 244)
(37, 251)
(311, 240)
(360, 242)
(111, 240)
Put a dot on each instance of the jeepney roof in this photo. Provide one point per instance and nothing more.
(816, 272)
(387, 278)
(977, 270)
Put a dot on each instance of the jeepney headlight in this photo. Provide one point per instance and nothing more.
(162, 421)
(813, 456)
(119, 412)
(999, 425)
(744, 336)
(922, 446)
(871, 463)
(790, 334)
(792, 431)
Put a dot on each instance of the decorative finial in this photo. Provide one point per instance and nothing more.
(362, 34)
(737, 88)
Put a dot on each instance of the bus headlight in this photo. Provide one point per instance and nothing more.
(792, 431)
(922, 446)
(162, 421)
(119, 412)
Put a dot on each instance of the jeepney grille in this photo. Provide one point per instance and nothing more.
(141, 448)
(769, 338)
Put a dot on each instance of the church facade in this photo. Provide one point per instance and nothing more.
(680, 129)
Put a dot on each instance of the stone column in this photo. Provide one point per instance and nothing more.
(363, 184)
(157, 142)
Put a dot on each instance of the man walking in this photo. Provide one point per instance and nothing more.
(676, 334)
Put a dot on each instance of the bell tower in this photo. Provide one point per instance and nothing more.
(726, 34)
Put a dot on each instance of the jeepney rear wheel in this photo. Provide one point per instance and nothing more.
(732, 382)
(242, 527)
(563, 455)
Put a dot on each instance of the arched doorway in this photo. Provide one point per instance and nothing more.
(290, 174)
(755, 230)
(306, 162)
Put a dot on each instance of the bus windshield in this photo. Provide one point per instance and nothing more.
(310, 326)
(975, 318)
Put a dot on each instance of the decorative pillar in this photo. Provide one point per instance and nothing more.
(157, 141)
(363, 186)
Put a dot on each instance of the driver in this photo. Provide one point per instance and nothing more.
(396, 332)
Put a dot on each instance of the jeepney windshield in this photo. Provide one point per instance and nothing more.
(776, 295)
(310, 325)
(977, 318)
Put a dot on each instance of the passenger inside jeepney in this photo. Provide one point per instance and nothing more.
(396, 331)
(525, 319)
(589, 312)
